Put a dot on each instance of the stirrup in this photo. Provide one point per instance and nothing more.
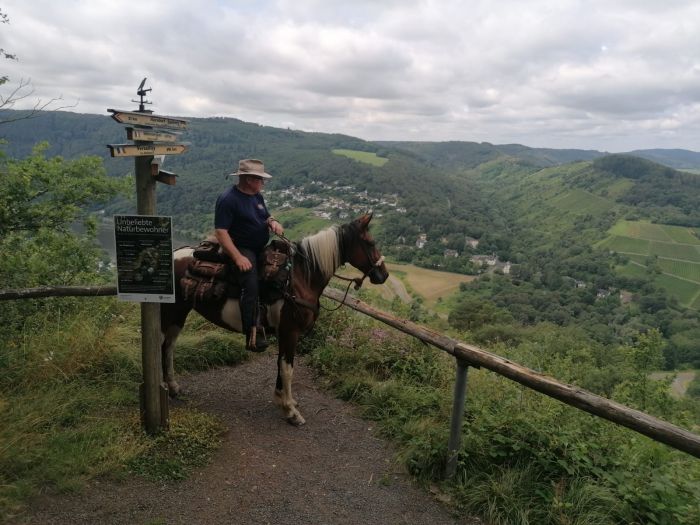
(255, 343)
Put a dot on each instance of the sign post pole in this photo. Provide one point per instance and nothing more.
(150, 312)
(151, 288)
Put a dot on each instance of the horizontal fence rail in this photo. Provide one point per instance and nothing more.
(58, 291)
(470, 355)
(641, 422)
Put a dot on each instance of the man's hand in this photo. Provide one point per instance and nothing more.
(275, 227)
(242, 263)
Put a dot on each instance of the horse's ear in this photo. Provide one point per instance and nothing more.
(364, 220)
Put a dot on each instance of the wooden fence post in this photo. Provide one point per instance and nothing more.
(458, 402)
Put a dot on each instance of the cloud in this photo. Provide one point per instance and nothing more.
(607, 75)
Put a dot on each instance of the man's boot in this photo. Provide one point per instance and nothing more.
(256, 341)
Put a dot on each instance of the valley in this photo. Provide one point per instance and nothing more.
(577, 264)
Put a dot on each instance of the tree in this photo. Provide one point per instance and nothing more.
(472, 313)
(21, 91)
(37, 192)
(641, 359)
(4, 19)
(40, 200)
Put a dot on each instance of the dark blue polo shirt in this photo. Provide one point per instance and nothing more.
(245, 218)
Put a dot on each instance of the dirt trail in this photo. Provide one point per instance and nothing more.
(398, 288)
(331, 471)
(681, 382)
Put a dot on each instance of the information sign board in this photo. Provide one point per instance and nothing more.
(144, 258)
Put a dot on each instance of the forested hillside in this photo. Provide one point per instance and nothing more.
(567, 272)
(567, 303)
(431, 201)
(543, 218)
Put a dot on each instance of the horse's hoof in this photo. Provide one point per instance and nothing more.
(296, 420)
(174, 390)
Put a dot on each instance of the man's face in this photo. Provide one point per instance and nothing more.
(253, 183)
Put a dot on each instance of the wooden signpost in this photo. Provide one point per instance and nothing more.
(147, 119)
(145, 150)
(149, 135)
(154, 392)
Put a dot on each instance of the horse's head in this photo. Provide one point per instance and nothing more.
(361, 250)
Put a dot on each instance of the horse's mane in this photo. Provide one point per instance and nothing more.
(322, 251)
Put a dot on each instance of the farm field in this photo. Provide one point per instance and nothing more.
(362, 156)
(675, 250)
(582, 202)
(429, 284)
(405, 279)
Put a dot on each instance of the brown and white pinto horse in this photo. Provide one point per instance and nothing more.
(316, 259)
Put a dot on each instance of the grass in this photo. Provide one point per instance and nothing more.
(69, 402)
(654, 232)
(581, 202)
(525, 458)
(674, 251)
(362, 156)
(626, 245)
(69, 409)
(300, 222)
(683, 235)
(685, 270)
(684, 291)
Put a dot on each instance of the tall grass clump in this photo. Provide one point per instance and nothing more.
(69, 402)
(525, 458)
(70, 368)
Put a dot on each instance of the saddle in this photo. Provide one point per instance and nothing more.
(211, 277)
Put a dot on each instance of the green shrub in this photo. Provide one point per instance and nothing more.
(525, 458)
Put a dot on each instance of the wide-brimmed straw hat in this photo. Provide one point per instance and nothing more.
(252, 167)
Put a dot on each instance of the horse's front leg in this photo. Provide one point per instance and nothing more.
(285, 371)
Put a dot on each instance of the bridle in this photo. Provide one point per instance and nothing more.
(358, 280)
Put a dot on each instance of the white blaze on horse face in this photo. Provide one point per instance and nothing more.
(231, 315)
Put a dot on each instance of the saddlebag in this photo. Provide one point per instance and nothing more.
(206, 277)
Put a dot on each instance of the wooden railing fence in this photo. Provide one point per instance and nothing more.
(466, 355)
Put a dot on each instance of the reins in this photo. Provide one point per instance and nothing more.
(358, 281)
(291, 297)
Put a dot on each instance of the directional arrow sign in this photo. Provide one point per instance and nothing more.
(149, 135)
(146, 119)
(134, 150)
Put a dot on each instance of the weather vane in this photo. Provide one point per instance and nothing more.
(141, 92)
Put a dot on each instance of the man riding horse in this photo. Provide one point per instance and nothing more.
(242, 224)
(242, 228)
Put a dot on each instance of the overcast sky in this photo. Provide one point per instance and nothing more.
(611, 75)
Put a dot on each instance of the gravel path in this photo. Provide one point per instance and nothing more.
(331, 471)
